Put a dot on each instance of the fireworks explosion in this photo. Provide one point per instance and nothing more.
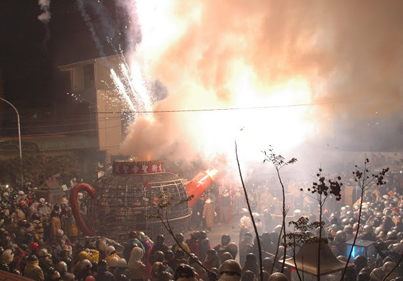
(258, 72)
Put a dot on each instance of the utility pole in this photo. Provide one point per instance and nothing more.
(19, 136)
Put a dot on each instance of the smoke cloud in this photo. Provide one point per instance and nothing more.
(330, 65)
(45, 7)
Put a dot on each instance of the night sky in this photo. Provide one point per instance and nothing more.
(31, 51)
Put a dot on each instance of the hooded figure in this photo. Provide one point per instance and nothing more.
(136, 267)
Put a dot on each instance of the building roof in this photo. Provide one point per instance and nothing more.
(307, 259)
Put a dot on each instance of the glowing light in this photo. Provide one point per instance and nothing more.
(131, 86)
(212, 173)
(175, 51)
(122, 90)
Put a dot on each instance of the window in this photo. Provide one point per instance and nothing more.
(88, 76)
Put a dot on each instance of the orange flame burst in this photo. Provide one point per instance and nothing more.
(212, 173)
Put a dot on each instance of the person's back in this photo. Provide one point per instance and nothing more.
(204, 245)
(103, 273)
(230, 270)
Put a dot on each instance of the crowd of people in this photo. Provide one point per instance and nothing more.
(41, 241)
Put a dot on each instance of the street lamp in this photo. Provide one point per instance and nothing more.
(19, 136)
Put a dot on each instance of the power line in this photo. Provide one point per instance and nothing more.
(221, 109)
(70, 132)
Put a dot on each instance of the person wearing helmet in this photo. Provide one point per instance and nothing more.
(368, 233)
(349, 231)
(17, 216)
(340, 243)
(38, 227)
(244, 245)
(52, 274)
(180, 239)
(7, 256)
(133, 242)
(226, 256)
(157, 269)
(122, 268)
(267, 245)
(110, 252)
(60, 239)
(204, 245)
(196, 264)
(223, 246)
(391, 238)
(159, 245)
(71, 225)
(185, 273)
(55, 224)
(377, 274)
(103, 272)
(230, 270)
(233, 249)
(211, 260)
(277, 276)
(360, 262)
(45, 259)
(388, 267)
(32, 269)
(61, 267)
(193, 242)
(248, 276)
(251, 264)
(113, 264)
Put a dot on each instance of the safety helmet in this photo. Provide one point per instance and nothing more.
(122, 263)
(61, 266)
(113, 262)
(277, 276)
(179, 237)
(160, 238)
(85, 264)
(109, 250)
(225, 239)
(230, 267)
(102, 245)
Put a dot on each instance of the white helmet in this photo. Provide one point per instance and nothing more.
(7, 256)
(122, 263)
(109, 250)
(61, 267)
(102, 245)
(113, 262)
(43, 253)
